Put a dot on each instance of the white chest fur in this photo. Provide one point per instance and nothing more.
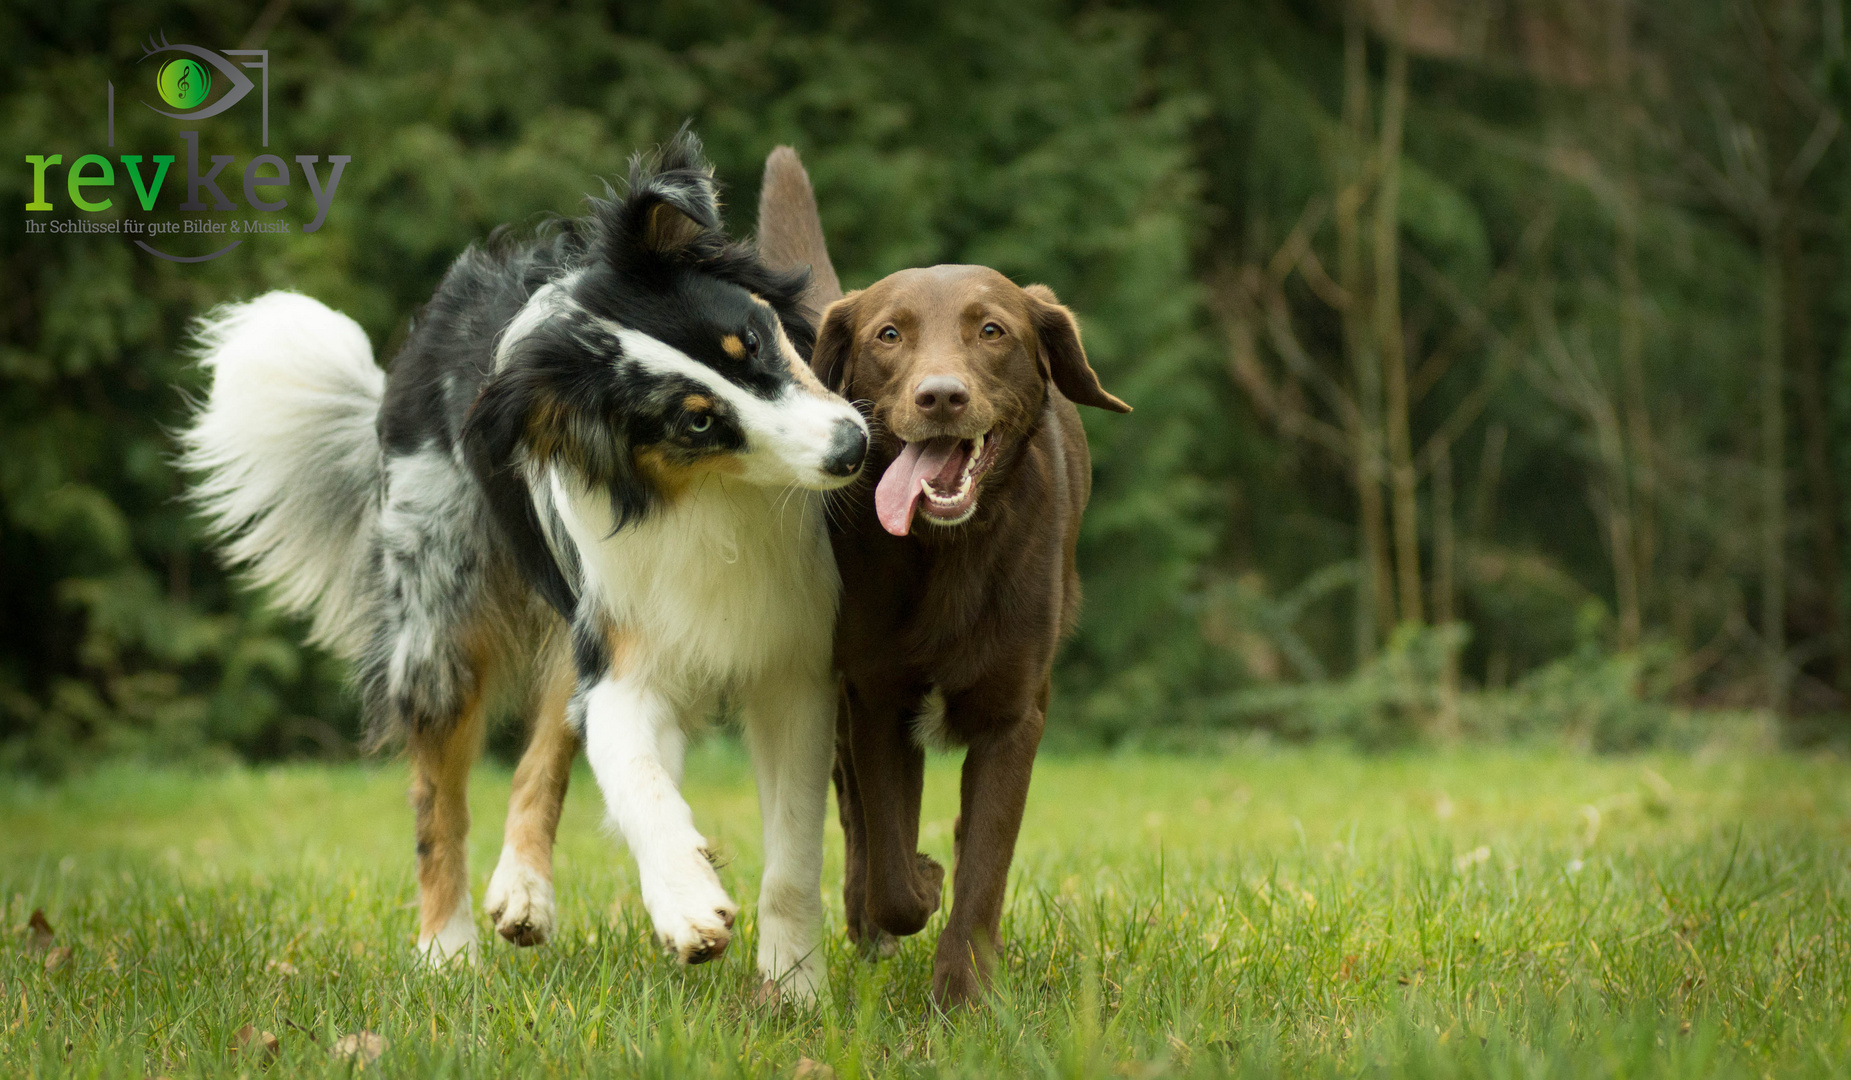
(727, 582)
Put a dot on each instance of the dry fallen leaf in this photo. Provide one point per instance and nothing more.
(360, 1048)
(813, 1070)
(39, 933)
(57, 958)
(282, 967)
(250, 1042)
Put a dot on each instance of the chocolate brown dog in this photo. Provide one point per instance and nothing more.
(958, 575)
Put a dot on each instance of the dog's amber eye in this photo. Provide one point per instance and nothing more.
(700, 424)
(889, 335)
(990, 331)
(751, 345)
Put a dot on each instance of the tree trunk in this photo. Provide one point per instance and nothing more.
(1375, 603)
(1773, 468)
(1443, 544)
(1822, 486)
(1388, 338)
(1640, 453)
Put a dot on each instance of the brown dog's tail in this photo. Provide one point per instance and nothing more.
(790, 231)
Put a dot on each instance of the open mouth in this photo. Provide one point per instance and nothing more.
(939, 476)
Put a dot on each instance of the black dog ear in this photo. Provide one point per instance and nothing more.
(670, 228)
(834, 355)
(1062, 355)
(545, 407)
(493, 442)
(672, 201)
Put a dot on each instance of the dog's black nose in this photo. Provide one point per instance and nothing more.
(941, 397)
(848, 447)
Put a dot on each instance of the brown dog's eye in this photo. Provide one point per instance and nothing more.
(990, 331)
(889, 335)
(751, 343)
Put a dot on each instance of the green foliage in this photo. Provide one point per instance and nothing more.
(1045, 151)
(1134, 157)
(1393, 699)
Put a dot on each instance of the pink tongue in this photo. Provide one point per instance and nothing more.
(899, 487)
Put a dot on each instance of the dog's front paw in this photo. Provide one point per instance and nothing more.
(931, 879)
(454, 940)
(961, 968)
(801, 985)
(698, 938)
(693, 915)
(957, 982)
(520, 900)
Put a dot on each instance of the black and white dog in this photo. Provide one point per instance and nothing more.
(590, 488)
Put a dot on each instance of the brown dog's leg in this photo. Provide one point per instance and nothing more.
(997, 769)
(902, 885)
(854, 842)
(873, 940)
(520, 894)
(440, 761)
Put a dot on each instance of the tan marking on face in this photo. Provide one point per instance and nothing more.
(674, 478)
(800, 370)
(696, 402)
(734, 347)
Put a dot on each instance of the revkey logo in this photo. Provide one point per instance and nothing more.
(185, 78)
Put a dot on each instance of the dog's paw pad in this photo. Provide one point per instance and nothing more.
(931, 880)
(520, 901)
(699, 944)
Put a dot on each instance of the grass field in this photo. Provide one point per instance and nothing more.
(1487, 912)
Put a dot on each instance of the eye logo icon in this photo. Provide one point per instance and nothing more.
(184, 83)
(184, 80)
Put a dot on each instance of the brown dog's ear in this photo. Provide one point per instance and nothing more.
(790, 230)
(835, 343)
(1061, 352)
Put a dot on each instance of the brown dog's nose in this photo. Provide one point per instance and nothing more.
(941, 397)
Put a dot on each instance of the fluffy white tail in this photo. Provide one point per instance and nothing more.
(287, 458)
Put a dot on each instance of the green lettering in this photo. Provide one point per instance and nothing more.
(78, 181)
(39, 163)
(131, 163)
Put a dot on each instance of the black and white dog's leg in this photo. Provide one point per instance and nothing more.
(425, 673)
(635, 742)
(520, 893)
(441, 757)
(790, 727)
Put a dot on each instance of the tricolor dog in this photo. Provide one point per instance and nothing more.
(589, 489)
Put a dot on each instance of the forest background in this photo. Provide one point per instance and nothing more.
(1491, 357)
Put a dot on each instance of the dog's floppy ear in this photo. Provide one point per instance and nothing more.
(493, 436)
(1061, 352)
(546, 406)
(672, 201)
(834, 355)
